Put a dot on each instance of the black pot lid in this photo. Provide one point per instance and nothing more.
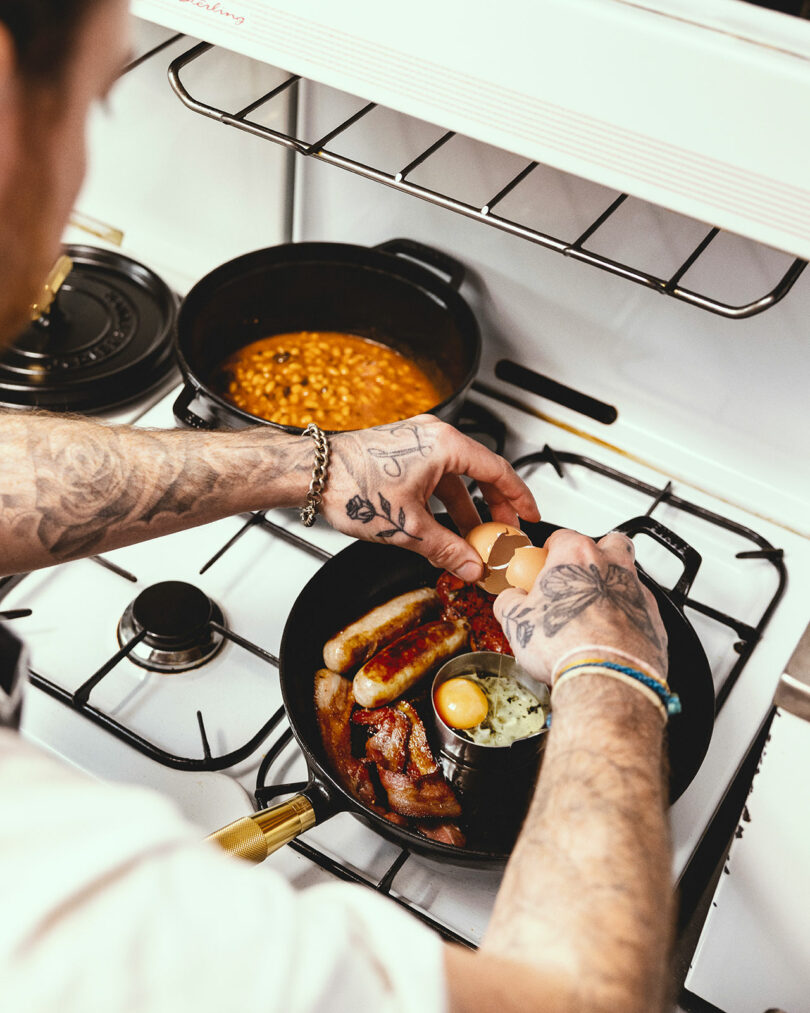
(108, 339)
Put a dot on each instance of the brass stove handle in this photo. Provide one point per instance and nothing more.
(60, 270)
(253, 838)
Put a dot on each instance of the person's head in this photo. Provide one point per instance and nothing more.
(56, 58)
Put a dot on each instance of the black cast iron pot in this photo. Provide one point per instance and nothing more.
(401, 294)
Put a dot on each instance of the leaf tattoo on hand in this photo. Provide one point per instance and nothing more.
(517, 625)
(360, 509)
(571, 589)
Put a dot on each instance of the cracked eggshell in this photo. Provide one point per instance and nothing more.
(496, 544)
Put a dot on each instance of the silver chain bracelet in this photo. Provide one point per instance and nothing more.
(318, 483)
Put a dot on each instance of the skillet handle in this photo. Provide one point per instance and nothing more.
(439, 262)
(253, 838)
(184, 414)
(690, 557)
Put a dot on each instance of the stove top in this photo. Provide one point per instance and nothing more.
(190, 703)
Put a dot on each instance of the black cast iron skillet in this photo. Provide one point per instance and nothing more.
(366, 574)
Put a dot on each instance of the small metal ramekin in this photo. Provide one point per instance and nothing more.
(460, 749)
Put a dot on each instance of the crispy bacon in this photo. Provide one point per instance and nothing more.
(388, 746)
(419, 796)
(421, 762)
(467, 601)
(334, 701)
(405, 765)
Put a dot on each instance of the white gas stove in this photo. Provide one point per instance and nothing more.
(204, 735)
(705, 401)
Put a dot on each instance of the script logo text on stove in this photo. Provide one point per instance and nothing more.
(216, 8)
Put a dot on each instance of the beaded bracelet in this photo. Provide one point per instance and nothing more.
(606, 651)
(318, 483)
(655, 690)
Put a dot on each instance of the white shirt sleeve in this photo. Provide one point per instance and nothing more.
(110, 901)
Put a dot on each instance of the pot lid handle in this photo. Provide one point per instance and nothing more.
(60, 270)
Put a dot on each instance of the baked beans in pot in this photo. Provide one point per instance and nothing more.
(401, 295)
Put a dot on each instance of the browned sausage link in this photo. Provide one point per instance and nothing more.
(404, 662)
(357, 642)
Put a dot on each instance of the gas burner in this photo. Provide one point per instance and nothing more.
(177, 618)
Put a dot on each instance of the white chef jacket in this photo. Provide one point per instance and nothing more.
(110, 901)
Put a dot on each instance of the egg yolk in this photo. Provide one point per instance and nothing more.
(461, 703)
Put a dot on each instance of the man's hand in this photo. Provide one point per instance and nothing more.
(380, 482)
(587, 593)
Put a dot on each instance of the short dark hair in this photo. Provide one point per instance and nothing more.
(44, 32)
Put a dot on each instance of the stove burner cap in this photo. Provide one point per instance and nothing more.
(177, 619)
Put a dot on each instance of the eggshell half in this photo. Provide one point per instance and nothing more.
(496, 544)
(525, 565)
(483, 536)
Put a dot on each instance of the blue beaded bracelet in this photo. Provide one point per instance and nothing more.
(671, 701)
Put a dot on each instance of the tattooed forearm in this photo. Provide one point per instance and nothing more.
(72, 487)
(570, 590)
(360, 509)
(587, 888)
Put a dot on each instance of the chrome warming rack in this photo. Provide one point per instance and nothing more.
(486, 214)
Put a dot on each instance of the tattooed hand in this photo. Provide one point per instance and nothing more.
(381, 480)
(587, 593)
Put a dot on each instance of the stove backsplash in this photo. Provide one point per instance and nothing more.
(716, 403)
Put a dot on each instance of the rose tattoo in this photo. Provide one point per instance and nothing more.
(363, 510)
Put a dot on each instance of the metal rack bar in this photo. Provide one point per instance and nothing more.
(693, 256)
(424, 156)
(510, 186)
(253, 106)
(115, 568)
(151, 52)
(249, 523)
(82, 694)
(291, 538)
(245, 644)
(317, 146)
(15, 614)
(666, 286)
(600, 221)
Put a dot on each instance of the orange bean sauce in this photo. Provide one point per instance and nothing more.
(338, 381)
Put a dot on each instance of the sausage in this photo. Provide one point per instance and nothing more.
(401, 664)
(357, 642)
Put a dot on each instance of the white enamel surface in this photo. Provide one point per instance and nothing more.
(753, 953)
